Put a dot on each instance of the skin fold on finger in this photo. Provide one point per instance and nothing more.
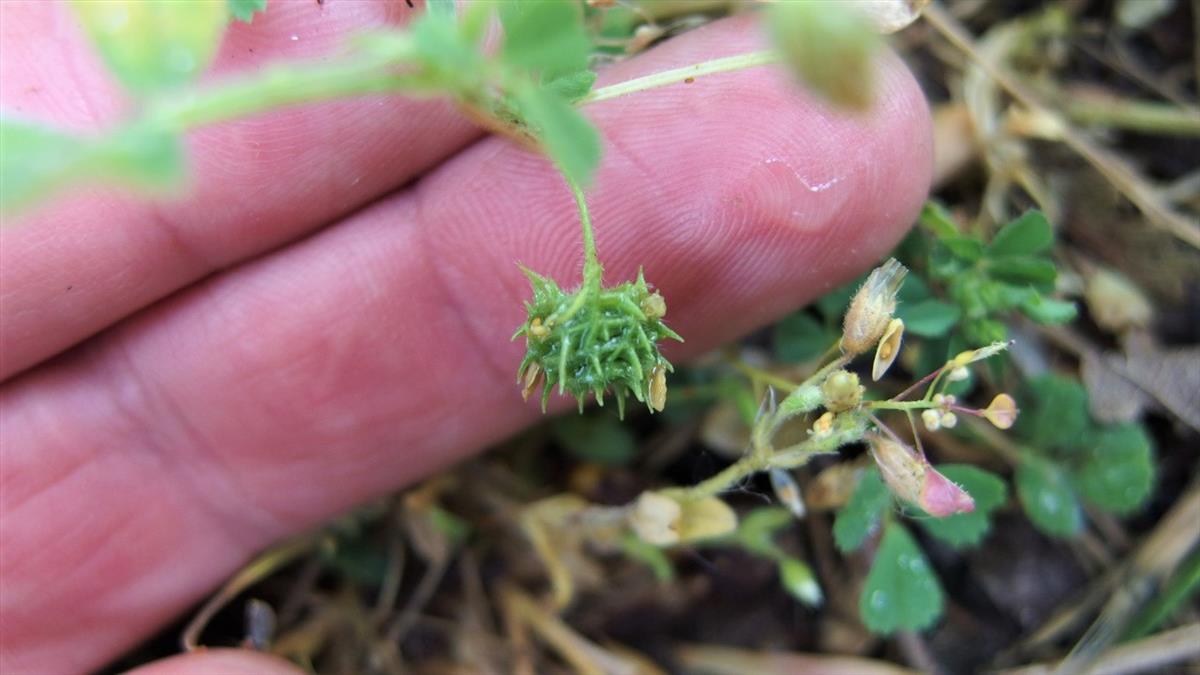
(92, 257)
(374, 352)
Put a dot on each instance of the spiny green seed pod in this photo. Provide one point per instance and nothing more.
(594, 341)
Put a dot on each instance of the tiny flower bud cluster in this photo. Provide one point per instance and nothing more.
(941, 417)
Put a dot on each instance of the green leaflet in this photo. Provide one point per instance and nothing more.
(860, 517)
(1118, 470)
(1046, 494)
(1054, 412)
(968, 529)
(542, 35)
(902, 592)
(37, 161)
(570, 140)
(813, 35)
(928, 318)
(1029, 234)
(244, 10)
(799, 338)
(152, 45)
(595, 438)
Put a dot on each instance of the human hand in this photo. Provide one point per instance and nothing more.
(188, 381)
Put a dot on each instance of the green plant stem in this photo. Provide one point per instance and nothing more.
(277, 88)
(677, 75)
(851, 429)
(898, 405)
(593, 273)
(1147, 116)
(723, 480)
(756, 374)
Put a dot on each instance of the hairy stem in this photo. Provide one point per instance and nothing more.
(280, 87)
(721, 481)
(899, 405)
(592, 271)
(668, 77)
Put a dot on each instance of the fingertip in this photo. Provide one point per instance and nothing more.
(219, 662)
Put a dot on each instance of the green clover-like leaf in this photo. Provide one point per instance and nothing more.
(902, 592)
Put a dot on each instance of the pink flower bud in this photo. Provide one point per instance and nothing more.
(941, 497)
(910, 477)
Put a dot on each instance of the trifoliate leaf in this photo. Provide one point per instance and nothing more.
(244, 10)
(154, 44)
(799, 338)
(928, 318)
(595, 438)
(1118, 471)
(1045, 492)
(1031, 233)
(967, 529)
(1054, 412)
(567, 137)
(902, 592)
(860, 517)
(541, 35)
(36, 161)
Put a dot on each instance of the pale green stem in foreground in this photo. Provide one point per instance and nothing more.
(677, 75)
(278, 88)
(285, 86)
